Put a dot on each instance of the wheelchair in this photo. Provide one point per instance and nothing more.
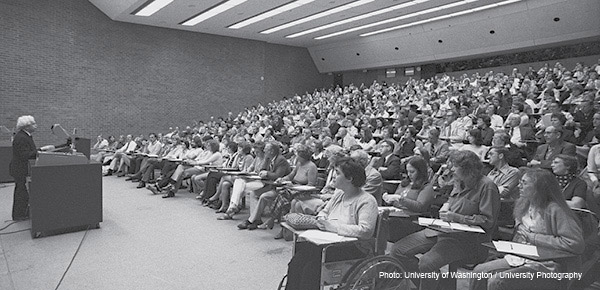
(375, 271)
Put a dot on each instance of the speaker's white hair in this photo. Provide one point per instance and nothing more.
(25, 121)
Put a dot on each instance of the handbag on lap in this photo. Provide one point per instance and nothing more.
(300, 221)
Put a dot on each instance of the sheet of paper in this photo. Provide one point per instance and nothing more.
(322, 238)
(448, 225)
(515, 248)
(394, 211)
(433, 222)
(255, 177)
(466, 228)
(303, 187)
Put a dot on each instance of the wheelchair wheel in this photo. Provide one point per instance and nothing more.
(282, 283)
(377, 273)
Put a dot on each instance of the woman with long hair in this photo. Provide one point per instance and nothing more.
(415, 196)
(475, 144)
(542, 219)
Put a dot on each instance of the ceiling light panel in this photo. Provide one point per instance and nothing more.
(356, 18)
(211, 12)
(463, 12)
(415, 14)
(317, 16)
(153, 7)
(270, 13)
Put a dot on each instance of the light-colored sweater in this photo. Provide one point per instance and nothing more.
(354, 217)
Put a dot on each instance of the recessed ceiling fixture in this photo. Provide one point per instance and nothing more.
(442, 17)
(356, 18)
(213, 11)
(317, 16)
(152, 7)
(418, 13)
(270, 13)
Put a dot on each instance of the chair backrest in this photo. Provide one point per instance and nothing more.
(381, 232)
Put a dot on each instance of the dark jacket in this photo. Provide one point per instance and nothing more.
(23, 150)
(562, 148)
(277, 168)
(393, 166)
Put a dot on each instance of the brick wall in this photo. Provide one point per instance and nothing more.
(66, 62)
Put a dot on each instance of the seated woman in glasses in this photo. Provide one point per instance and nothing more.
(543, 219)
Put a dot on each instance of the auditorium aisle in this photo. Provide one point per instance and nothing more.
(145, 242)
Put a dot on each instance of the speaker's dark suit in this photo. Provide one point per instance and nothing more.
(23, 150)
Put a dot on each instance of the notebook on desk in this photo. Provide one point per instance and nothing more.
(319, 237)
(450, 225)
(394, 211)
(515, 248)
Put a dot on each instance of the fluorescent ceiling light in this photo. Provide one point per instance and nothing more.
(153, 7)
(270, 13)
(359, 17)
(442, 17)
(317, 16)
(434, 9)
(212, 12)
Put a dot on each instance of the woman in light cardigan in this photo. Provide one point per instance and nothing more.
(543, 219)
(351, 212)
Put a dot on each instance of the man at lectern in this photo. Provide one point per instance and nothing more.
(23, 149)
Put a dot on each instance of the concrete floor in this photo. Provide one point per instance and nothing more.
(145, 242)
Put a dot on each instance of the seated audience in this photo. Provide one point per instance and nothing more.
(103, 151)
(304, 173)
(225, 183)
(277, 167)
(242, 185)
(118, 163)
(194, 168)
